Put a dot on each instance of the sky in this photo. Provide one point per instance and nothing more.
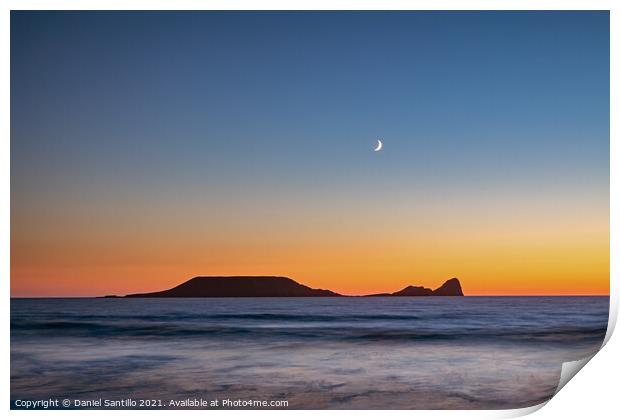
(151, 147)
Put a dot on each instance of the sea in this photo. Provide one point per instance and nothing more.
(302, 353)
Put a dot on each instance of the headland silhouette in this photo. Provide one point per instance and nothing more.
(275, 286)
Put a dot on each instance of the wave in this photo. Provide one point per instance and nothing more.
(350, 332)
(257, 317)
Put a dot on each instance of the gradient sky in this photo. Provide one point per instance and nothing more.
(150, 147)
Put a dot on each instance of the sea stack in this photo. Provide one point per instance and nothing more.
(451, 287)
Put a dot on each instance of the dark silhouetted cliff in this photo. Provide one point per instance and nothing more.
(451, 287)
(272, 286)
(238, 286)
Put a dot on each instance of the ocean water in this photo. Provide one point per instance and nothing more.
(315, 353)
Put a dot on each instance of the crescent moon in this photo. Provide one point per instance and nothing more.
(379, 145)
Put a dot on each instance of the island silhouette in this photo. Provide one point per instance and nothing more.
(275, 286)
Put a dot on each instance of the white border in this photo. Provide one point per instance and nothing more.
(602, 381)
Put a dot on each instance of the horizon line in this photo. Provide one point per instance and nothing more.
(302, 297)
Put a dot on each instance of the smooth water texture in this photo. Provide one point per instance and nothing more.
(343, 353)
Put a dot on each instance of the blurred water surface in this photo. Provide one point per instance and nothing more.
(343, 353)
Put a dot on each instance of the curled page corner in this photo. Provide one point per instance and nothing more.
(570, 369)
(613, 316)
(521, 412)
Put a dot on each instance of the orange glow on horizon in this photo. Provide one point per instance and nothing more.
(509, 249)
(482, 269)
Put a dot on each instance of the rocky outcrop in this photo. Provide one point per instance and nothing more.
(414, 291)
(272, 286)
(450, 287)
(238, 286)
